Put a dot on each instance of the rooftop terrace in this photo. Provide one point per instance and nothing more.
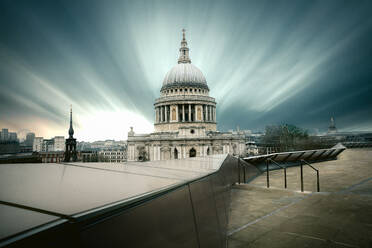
(338, 216)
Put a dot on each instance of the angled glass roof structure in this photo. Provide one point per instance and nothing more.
(37, 197)
(309, 155)
(70, 189)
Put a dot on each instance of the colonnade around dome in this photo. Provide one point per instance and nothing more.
(185, 113)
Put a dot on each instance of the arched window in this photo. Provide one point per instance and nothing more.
(208, 151)
(192, 153)
(175, 153)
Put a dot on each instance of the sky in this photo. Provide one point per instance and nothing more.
(266, 62)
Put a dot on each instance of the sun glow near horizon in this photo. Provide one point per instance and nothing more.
(103, 125)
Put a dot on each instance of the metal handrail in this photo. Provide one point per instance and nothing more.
(285, 171)
(267, 172)
(302, 174)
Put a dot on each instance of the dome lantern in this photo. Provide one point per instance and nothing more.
(184, 50)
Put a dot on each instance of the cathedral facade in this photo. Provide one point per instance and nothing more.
(185, 119)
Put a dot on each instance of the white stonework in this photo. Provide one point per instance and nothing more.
(185, 119)
(38, 144)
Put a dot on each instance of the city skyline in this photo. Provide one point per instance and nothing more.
(265, 63)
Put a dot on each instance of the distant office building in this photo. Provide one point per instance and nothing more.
(88, 156)
(9, 147)
(59, 143)
(38, 144)
(101, 145)
(5, 135)
(23, 148)
(30, 139)
(49, 145)
(70, 152)
(13, 136)
(112, 156)
(8, 142)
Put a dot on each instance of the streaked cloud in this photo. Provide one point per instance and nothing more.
(265, 62)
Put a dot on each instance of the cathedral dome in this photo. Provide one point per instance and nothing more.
(184, 74)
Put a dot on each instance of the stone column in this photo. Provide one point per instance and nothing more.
(166, 113)
(210, 112)
(161, 114)
(177, 116)
(207, 112)
(212, 108)
(204, 113)
(158, 108)
(156, 115)
(183, 112)
(189, 112)
(214, 111)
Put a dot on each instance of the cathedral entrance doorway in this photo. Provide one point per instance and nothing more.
(192, 153)
(175, 153)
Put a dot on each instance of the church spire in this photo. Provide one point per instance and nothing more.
(71, 130)
(184, 50)
(70, 151)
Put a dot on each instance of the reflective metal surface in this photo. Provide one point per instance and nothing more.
(14, 220)
(69, 189)
(73, 188)
(222, 206)
(206, 218)
(176, 203)
(166, 221)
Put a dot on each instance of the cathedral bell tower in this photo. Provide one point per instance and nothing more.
(70, 152)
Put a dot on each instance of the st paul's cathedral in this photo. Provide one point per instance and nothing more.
(185, 119)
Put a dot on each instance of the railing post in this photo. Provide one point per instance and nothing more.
(317, 180)
(238, 171)
(302, 178)
(285, 177)
(245, 180)
(267, 174)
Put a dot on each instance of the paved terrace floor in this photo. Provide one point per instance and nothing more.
(339, 216)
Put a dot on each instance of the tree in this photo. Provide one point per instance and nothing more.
(286, 137)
